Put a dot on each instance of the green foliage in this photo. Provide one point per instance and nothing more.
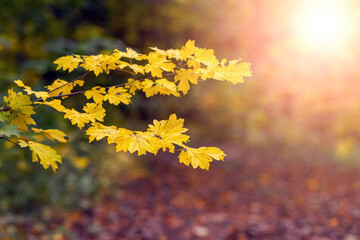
(26, 186)
(9, 131)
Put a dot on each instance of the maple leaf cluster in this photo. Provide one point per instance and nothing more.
(164, 72)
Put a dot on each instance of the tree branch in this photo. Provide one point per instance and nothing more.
(78, 78)
(60, 96)
(123, 70)
(3, 136)
(81, 92)
(4, 109)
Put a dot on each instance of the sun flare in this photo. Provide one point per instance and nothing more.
(323, 24)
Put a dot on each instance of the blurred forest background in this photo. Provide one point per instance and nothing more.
(302, 105)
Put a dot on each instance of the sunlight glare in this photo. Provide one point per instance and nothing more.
(323, 24)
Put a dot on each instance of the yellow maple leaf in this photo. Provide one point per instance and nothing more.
(173, 53)
(147, 87)
(19, 102)
(185, 76)
(205, 73)
(168, 132)
(110, 62)
(47, 155)
(100, 63)
(194, 64)
(56, 104)
(20, 108)
(213, 152)
(156, 49)
(23, 144)
(137, 68)
(206, 56)
(188, 50)
(130, 53)
(140, 142)
(63, 87)
(93, 63)
(43, 95)
(52, 134)
(117, 95)
(155, 71)
(116, 53)
(233, 72)
(96, 93)
(68, 62)
(170, 53)
(135, 141)
(160, 86)
(133, 85)
(157, 64)
(165, 87)
(22, 121)
(200, 157)
(94, 112)
(76, 117)
(98, 131)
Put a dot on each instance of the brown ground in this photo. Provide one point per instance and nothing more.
(251, 196)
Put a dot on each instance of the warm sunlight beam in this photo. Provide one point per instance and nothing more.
(323, 24)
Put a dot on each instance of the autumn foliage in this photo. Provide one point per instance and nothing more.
(164, 72)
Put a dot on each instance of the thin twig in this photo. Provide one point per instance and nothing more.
(123, 70)
(5, 109)
(81, 92)
(140, 80)
(3, 136)
(60, 96)
(78, 78)
(82, 76)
